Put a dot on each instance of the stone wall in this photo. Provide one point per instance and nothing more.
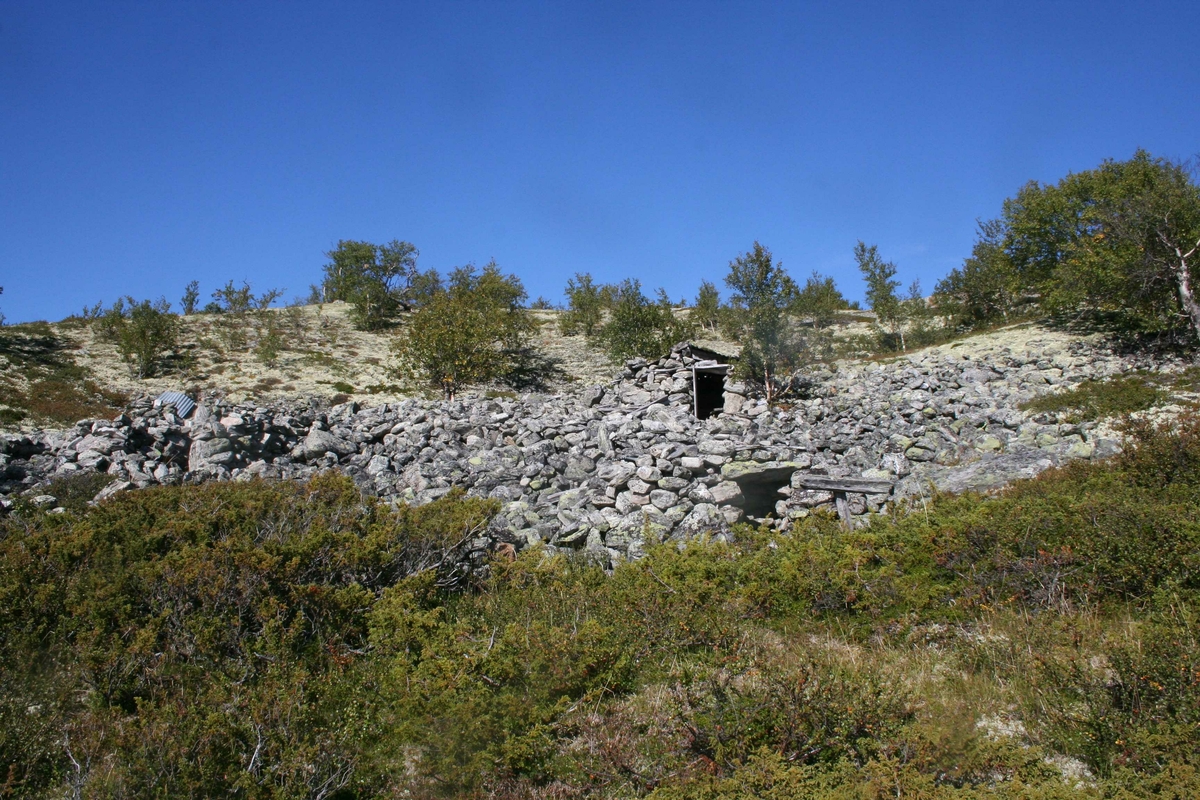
(606, 469)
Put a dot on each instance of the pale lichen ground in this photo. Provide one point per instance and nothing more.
(323, 355)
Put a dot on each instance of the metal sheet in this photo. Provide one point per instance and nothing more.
(184, 405)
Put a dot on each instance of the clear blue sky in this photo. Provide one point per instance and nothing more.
(145, 145)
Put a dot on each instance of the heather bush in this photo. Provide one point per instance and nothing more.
(1095, 399)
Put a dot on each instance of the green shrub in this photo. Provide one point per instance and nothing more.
(269, 639)
(1097, 399)
(805, 706)
(203, 640)
(639, 327)
(472, 332)
(587, 302)
(142, 331)
(74, 492)
(242, 313)
(1134, 709)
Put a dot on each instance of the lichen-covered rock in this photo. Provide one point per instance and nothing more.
(319, 442)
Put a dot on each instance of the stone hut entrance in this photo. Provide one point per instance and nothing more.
(708, 380)
(690, 377)
(761, 485)
(708, 390)
(763, 493)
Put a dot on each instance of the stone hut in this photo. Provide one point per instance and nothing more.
(690, 376)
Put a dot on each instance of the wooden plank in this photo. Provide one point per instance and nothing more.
(828, 484)
(843, 508)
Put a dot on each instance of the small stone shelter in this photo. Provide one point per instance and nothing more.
(696, 377)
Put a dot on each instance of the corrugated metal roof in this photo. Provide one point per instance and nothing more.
(184, 405)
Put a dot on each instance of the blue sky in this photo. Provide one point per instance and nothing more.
(144, 145)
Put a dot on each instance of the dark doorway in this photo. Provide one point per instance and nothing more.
(761, 490)
(710, 393)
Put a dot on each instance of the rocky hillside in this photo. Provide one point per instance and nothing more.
(608, 466)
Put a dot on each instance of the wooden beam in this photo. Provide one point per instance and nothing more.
(841, 485)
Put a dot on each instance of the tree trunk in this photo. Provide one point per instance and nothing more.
(1183, 281)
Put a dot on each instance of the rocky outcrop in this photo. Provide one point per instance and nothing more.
(607, 469)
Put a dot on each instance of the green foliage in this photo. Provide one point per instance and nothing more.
(191, 295)
(638, 327)
(1098, 399)
(1138, 230)
(1135, 707)
(586, 303)
(235, 300)
(378, 280)
(1115, 245)
(706, 311)
(243, 314)
(75, 491)
(819, 301)
(804, 705)
(986, 288)
(474, 331)
(143, 332)
(758, 281)
(901, 320)
(879, 275)
(762, 295)
(203, 641)
(270, 343)
(275, 640)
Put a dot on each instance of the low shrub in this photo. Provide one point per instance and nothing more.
(202, 640)
(286, 639)
(75, 491)
(1134, 708)
(1097, 399)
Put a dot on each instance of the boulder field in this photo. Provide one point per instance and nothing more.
(608, 469)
